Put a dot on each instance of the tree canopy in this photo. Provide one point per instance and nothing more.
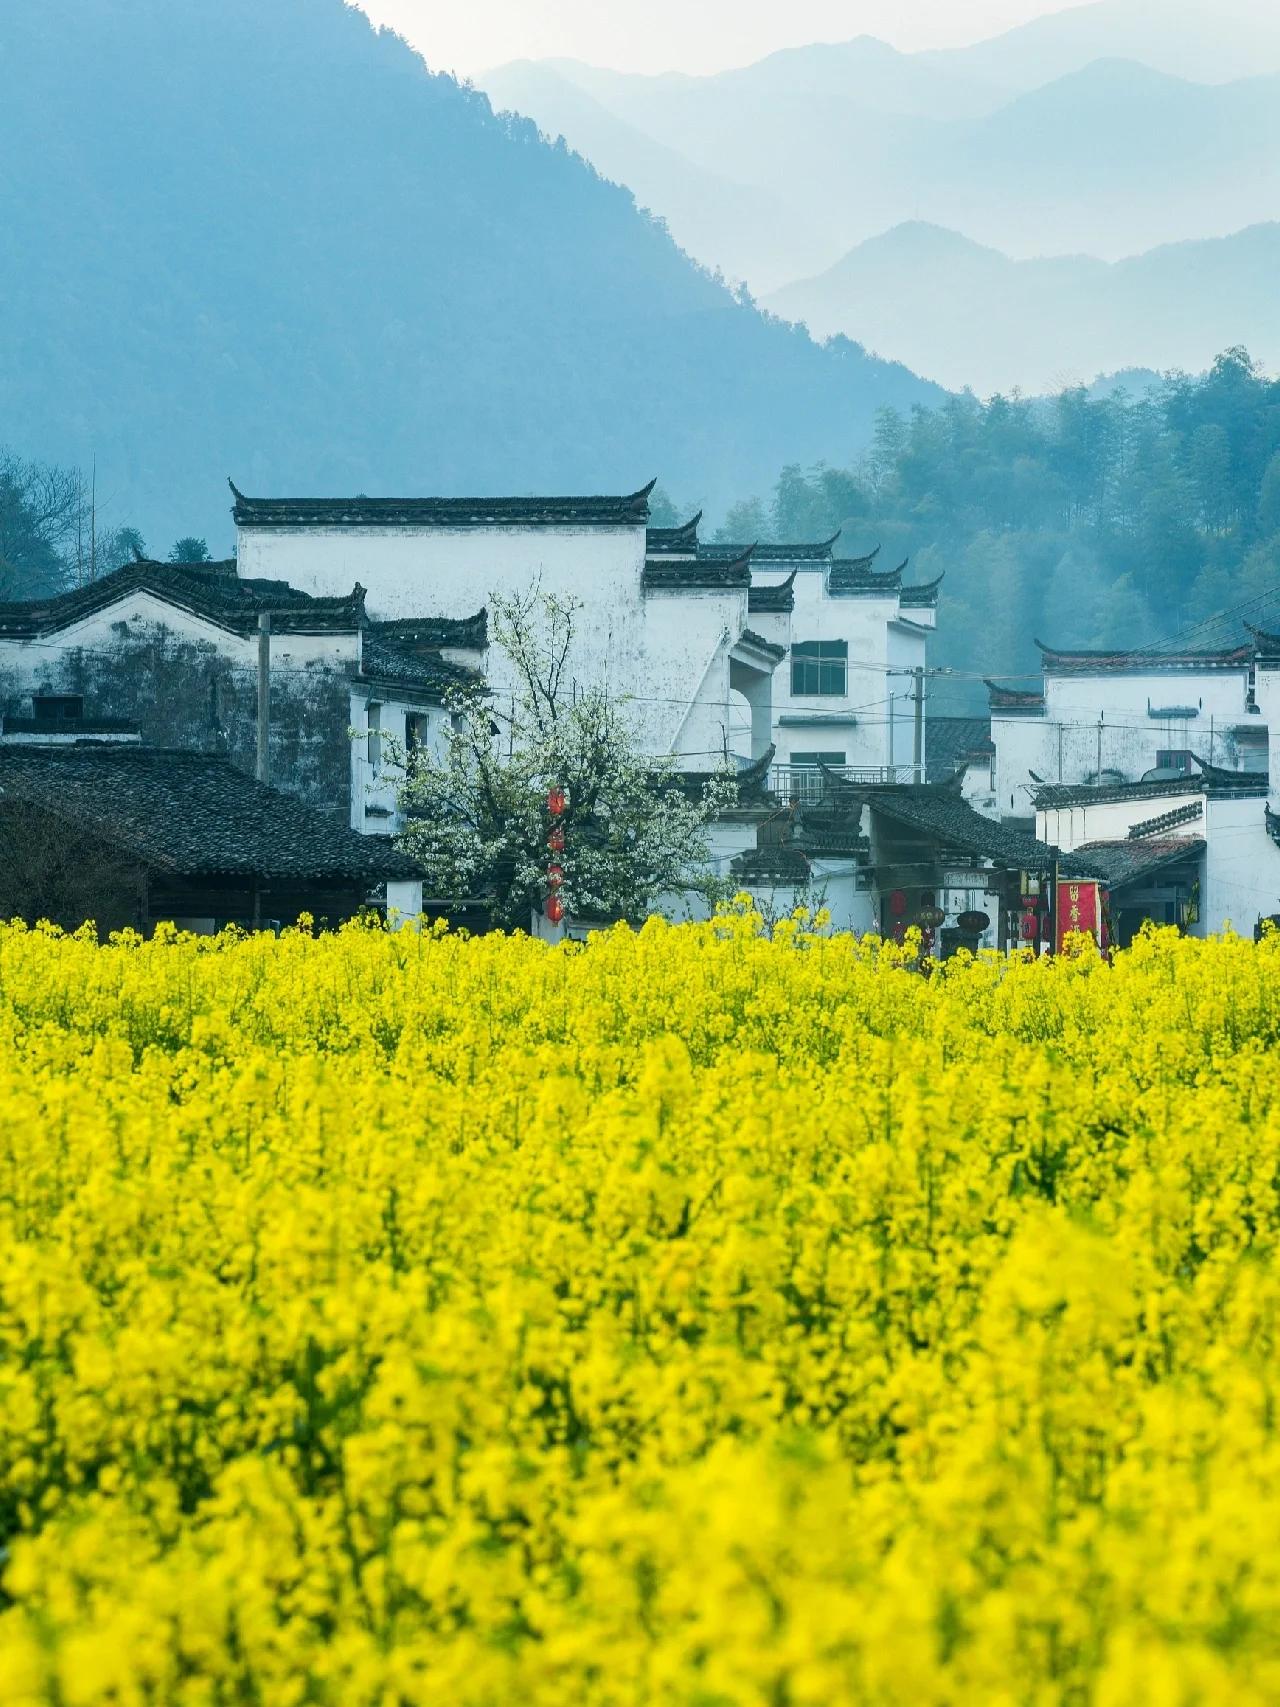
(477, 810)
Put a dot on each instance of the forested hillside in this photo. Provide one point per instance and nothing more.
(1082, 521)
(255, 237)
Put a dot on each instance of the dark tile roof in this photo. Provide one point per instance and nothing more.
(1163, 822)
(778, 863)
(950, 741)
(760, 644)
(752, 782)
(1001, 698)
(1058, 662)
(854, 577)
(923, 596)
(203, 589)
(1208, 779)
(192, 813)
(1117, 863)
(461, 633)
(697, 576)
(775, 600)
(631, 510)
(390, 663)
(679, 541)
(773, 551)
(937, 810)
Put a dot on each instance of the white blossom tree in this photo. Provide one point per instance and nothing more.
(477, 817)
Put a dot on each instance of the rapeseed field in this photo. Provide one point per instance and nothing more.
(698, 1318)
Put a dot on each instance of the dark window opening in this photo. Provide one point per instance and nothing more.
(57, 708)
(816, 759)
(417, 728)
(819, 668)
(1174, 759)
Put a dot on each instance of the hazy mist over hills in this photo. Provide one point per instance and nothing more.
(1038, 325)
(1104, 131)
(253, 237)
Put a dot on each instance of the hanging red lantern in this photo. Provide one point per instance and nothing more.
(556, 802)
(555, 876)
(898, 903)
(555, 841)
(555, 909)
(1030, 928)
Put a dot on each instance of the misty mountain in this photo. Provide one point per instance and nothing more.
(256, 237)
(1216, 43)
(1022, 152)
(739, 228)
(965, 314)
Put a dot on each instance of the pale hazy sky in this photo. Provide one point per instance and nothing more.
(468, 36)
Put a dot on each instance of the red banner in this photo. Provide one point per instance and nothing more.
(1079, 909)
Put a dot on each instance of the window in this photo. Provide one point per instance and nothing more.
(57, 708)
(1173, 759)
(374, 714)
(819, 667)
(417, 729)
(816, 759)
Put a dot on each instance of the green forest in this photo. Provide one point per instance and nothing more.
(1081, 520)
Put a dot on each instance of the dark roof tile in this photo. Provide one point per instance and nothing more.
(191, 813)
(631, 510)
(780, 553)
(202, 589)
(776, 600)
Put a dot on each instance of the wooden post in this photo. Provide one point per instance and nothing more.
(264, 697)
(917, 753)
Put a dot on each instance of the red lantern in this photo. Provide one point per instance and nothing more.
(555, 909)
(1030, 928)
(555, 876)
(556, 802)
(898, 903)
(555, 841)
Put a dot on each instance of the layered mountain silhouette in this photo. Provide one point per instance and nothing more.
(257, 237)
(966, 314)
(1109, 159)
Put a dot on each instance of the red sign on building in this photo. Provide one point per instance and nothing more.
(1079, 909)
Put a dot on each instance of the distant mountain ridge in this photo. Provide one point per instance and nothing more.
(1109, 158)
(966, 314)
(293, 254)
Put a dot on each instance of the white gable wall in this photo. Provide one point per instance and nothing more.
(664, 651)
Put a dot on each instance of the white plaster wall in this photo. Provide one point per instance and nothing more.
(1023, 744)
(377, 785)
(1131, 737)
(678, 676)
(1070, 827)
(1241, 868)
(663, 651)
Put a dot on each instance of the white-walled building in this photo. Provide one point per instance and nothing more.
(855, 668)
(657, 625)
(174, 650)
(1111, 717)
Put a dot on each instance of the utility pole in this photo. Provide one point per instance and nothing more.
(917, 755)
(264, 696)
(1097, 777)
(93, 521)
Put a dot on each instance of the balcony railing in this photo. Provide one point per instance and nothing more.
(805, 782)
